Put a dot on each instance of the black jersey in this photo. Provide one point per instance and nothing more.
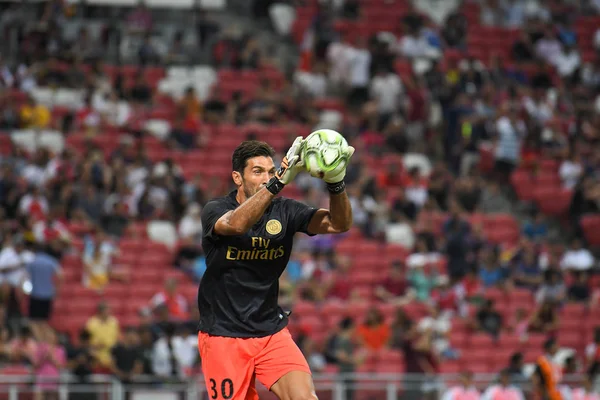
(239, 290)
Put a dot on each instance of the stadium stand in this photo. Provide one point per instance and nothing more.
(475, 183)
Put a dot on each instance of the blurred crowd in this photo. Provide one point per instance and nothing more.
(422, 112)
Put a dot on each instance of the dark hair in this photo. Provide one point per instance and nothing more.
(516, 357)
(549, 344)
(169, 329)
(247, 150)
(84, 335)
(346, 323)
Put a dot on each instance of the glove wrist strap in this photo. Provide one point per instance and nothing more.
(336, 188)
(275, 186)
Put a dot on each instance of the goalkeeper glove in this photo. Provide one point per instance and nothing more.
(337, 175)
(290, 166)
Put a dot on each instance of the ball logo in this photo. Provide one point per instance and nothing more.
(273, 227)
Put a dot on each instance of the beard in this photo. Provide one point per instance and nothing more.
(250, 191)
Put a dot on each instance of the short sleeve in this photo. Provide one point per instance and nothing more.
(211, 213)
(300, 215)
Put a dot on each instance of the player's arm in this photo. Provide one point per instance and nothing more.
(337, 219)
(240, 220)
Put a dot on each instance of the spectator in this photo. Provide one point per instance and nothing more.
(536, 228)
(415, 44)
(97, 263)
(394, 288)
(449, 299)
(465, 390)
(34, 204)
(374, 333)
(548, 47)
(175, 302)
(515, 368)
(571, 170)
(104, 332)
(511, 132)
(173, 356)
(401, 330)
(46, 277)
(585, 391)
(544, 318)
(579, 291)
(386, 88)
(127, 358)
(50, 359)
(455, 30)
(488, 319)
(553, 289)
(315, 359)
(493, 201)
(491, 273)
(439, 326)
(140, 21)
(592, 351)
(547, 373)
(523, 49)
(342, 351)
(189, 104)
(190, 226)
(81, 360)
(528, 273)
(421, 359)
(34, 115)
(13, 260)
(521, 324)
(577, 257)
(23, 348)
(503, 389)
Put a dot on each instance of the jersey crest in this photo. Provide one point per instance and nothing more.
(273, 227)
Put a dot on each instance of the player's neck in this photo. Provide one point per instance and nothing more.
(240, 196)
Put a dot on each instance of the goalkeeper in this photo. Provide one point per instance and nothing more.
(248, 237)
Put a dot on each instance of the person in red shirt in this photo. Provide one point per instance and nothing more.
(448, 298)
(340, 284)
(394, 287)
(374, 333)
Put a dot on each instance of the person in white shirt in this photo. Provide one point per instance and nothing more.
(548, 48)
(567, 61)
(465, 390)
(13, 260)
(339, 55)
(584, 392)
(415, 45)
(592, 350)
(386, 88)
(173, 355)
(190, 227)
(571, 170)
(577, 257)
(360, 76)
(33, 203)
(503, 390)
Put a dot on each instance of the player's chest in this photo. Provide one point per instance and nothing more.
(267, 240)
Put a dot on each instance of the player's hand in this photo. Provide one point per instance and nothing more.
(338, 174)
(291, 163)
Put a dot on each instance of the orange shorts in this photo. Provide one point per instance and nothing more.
(230, 365)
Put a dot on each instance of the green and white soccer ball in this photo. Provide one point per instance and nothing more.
(325, 153)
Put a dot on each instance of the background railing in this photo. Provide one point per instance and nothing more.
(359, 386)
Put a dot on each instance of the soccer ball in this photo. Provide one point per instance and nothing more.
(324, 152)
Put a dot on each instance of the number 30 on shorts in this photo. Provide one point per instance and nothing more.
(226, 389)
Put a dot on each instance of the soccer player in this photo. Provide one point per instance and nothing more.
(247, 238)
